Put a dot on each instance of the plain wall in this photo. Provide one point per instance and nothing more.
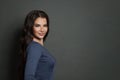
(84, 37)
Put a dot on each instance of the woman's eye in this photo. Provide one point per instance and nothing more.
(36, 25)
(45, 25)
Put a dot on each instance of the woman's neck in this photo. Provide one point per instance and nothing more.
(39, 41)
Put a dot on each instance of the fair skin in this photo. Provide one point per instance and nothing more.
(40, 29)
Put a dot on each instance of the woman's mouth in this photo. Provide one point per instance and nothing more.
(41, 34)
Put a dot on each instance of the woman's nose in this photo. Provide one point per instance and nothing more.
(41, 29)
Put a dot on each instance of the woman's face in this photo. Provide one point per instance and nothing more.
(40, 28)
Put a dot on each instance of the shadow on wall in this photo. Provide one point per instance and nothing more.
(14, 57)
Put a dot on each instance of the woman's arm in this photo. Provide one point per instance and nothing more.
(34, 52)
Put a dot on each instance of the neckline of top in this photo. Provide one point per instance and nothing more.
(38, 43)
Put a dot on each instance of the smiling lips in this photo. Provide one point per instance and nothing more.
(41, 34)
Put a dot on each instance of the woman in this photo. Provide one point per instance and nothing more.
(39, 63)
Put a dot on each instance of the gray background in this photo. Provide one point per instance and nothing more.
(84, 37)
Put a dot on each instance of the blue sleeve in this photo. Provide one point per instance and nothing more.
(33, 55)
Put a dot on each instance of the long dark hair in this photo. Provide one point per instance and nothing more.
(27, 37)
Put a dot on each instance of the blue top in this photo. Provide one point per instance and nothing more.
(39, 63)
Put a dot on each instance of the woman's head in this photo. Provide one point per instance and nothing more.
(36, 24)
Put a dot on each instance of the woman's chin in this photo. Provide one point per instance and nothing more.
(39, 38)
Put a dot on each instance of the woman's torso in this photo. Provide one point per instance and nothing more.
(42, 65)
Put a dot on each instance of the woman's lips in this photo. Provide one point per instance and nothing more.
(41, 34)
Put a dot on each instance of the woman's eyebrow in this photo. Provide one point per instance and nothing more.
(37, 24)
(45, 24)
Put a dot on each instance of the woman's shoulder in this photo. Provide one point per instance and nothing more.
(34, 45)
